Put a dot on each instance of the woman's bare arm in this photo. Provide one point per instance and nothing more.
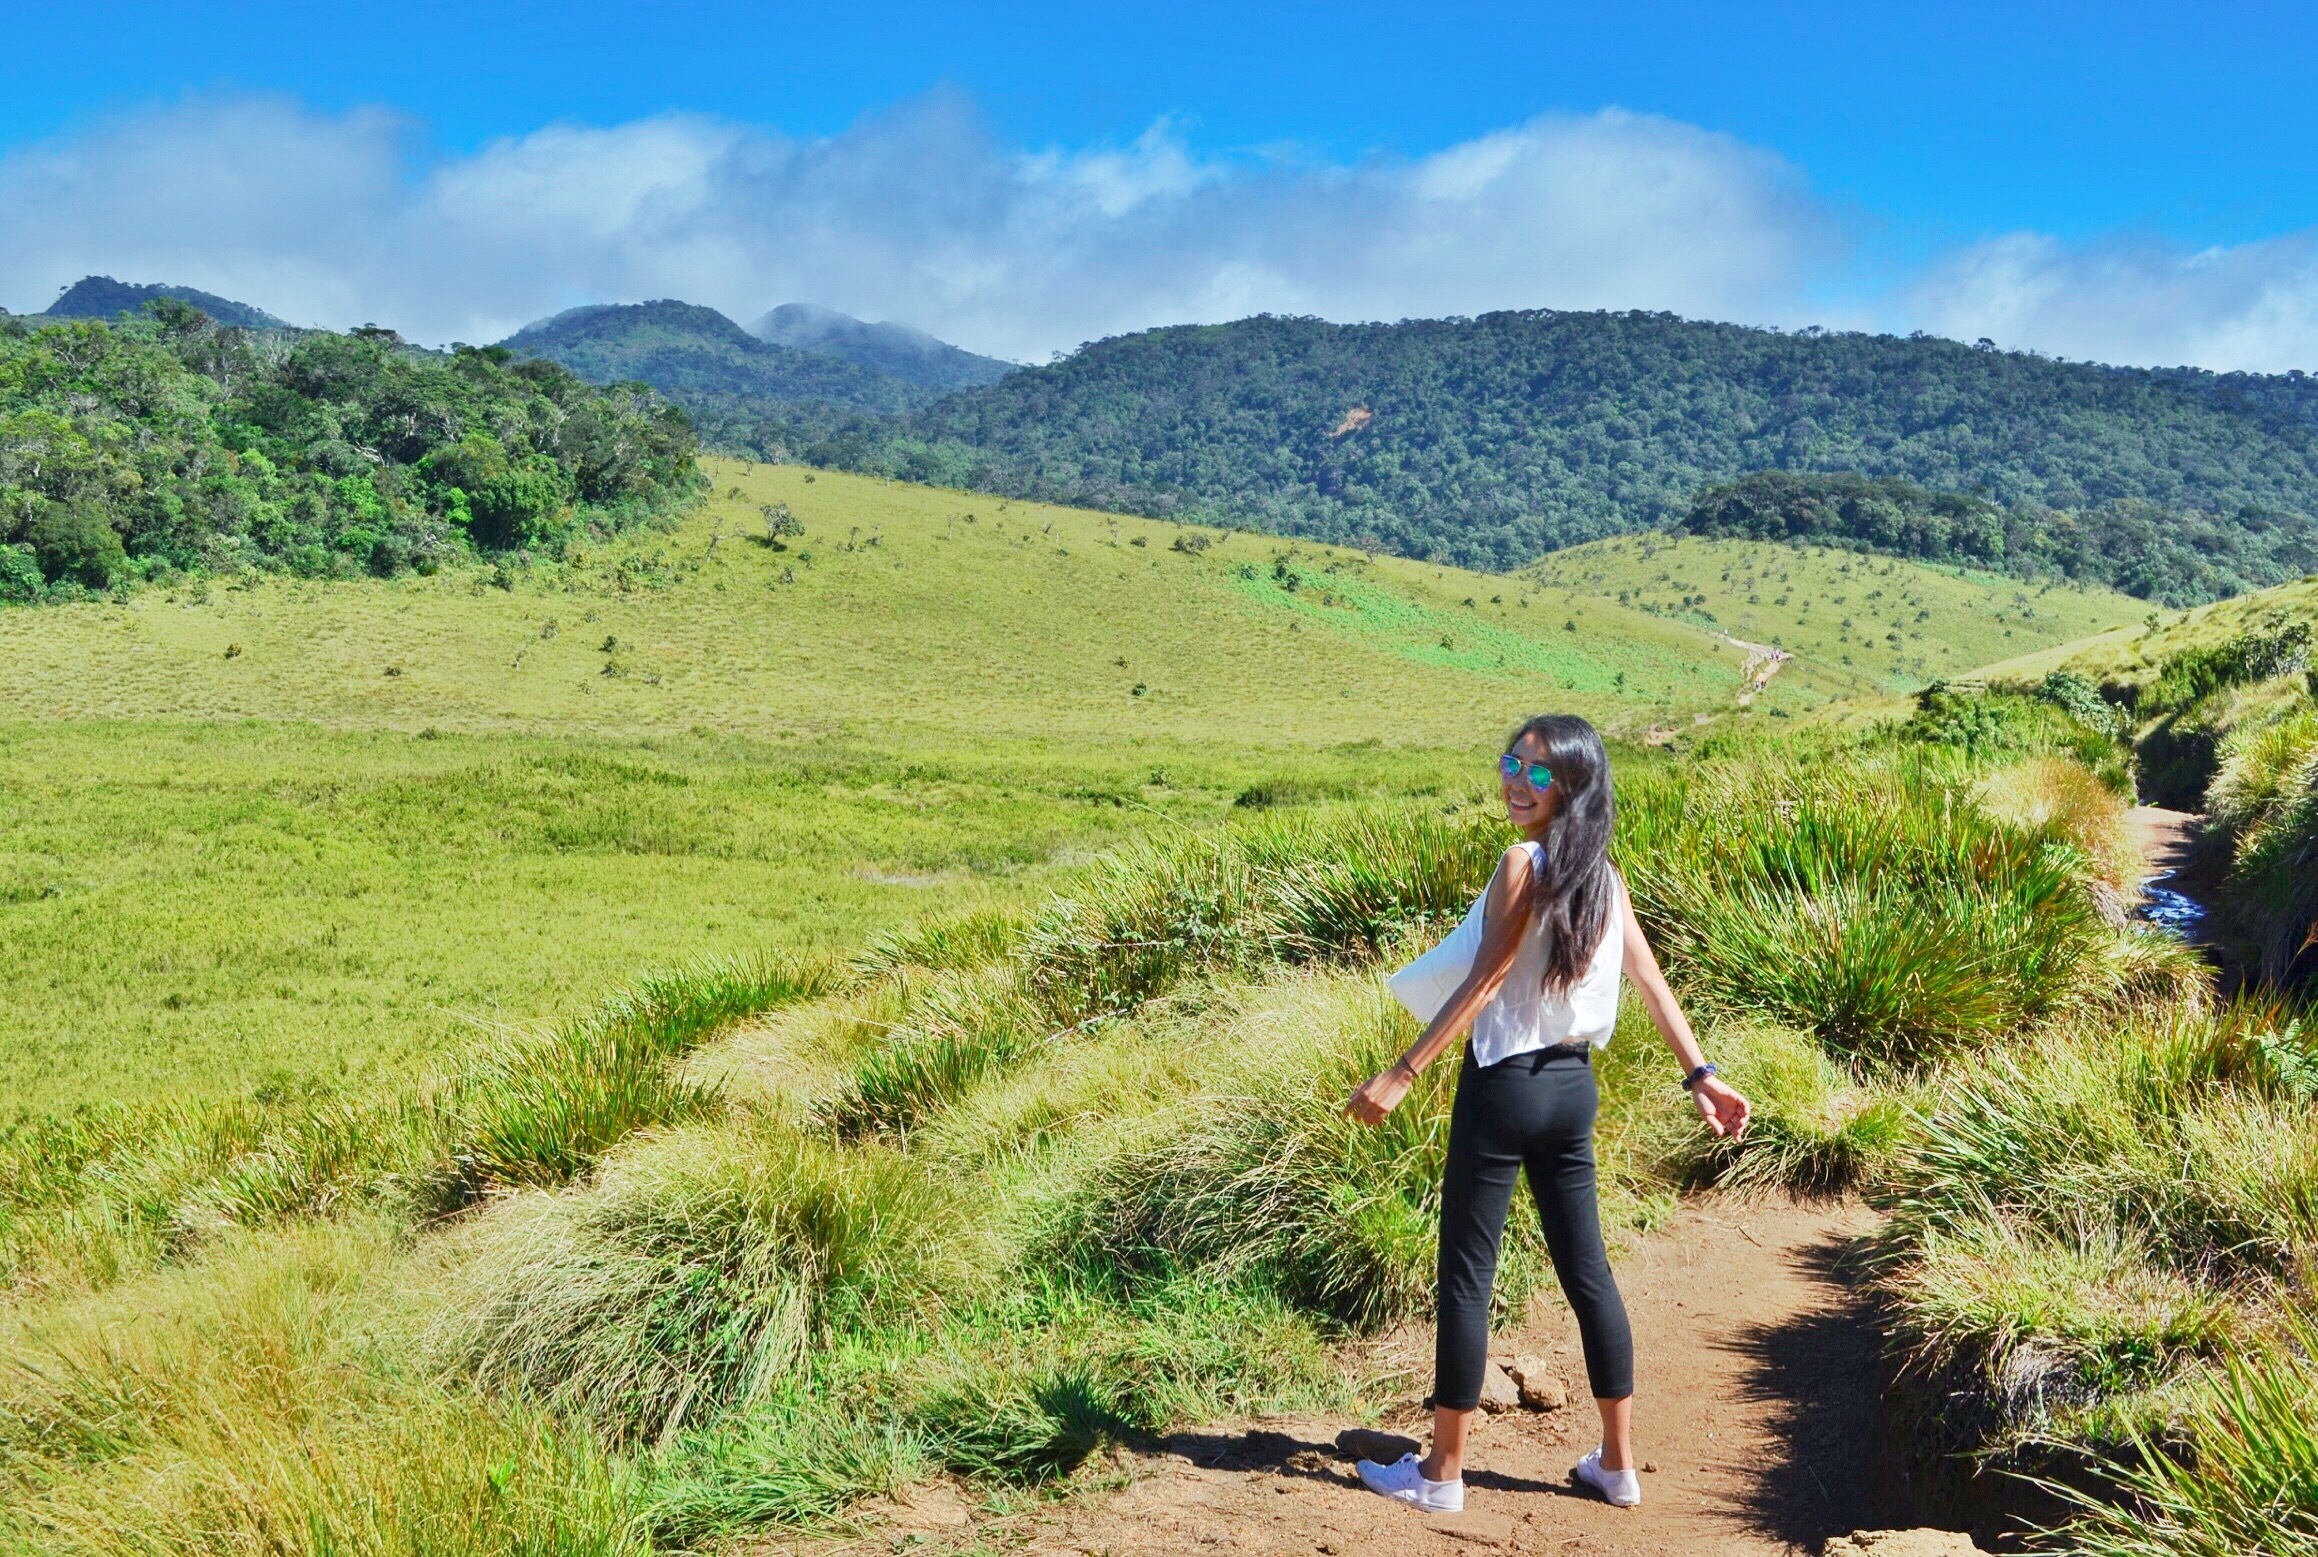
(1503, 922)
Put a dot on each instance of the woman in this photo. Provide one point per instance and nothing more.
(1543, 994)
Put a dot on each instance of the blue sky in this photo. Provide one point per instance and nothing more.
(2126, 181)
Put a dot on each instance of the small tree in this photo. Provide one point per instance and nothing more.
(781, 526)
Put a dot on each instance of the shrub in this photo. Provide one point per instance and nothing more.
(76, 544)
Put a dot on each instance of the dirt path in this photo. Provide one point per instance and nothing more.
(2167, 838)
(1756, 1418)
(1763, 662)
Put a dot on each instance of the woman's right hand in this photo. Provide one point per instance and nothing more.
(1380, 1094)
(1725, 1110)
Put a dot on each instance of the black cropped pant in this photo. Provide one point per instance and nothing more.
(1533, 1111)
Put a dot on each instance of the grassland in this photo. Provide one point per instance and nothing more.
(270, 833)
(902, 615)
(759, 1242)
(189, 908)
(344, 1213)
(1862, 624)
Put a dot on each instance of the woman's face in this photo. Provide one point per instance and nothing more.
(1527, 806)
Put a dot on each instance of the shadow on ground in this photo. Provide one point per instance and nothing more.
(1836, 1464)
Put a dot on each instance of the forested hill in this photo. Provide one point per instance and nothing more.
(1487, 441)
(101, 297)
(165, 444)
(705, 362)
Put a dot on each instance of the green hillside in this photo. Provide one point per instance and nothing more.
(899, 608)
(1488, 441)
(166, 445)
(1875, 624)
(705, 362)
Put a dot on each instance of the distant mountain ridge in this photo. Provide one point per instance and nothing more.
(1488, 441)
(703, 361)
(101, 297)
(908, 354)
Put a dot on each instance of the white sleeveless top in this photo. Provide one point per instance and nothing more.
(1524, 1016)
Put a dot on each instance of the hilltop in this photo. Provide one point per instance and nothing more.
(702, 360)
(101, 297)
(896, 349)
(1488, 441)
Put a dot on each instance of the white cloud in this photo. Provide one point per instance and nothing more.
(2251, 306)
(922, 215)
(919, 215)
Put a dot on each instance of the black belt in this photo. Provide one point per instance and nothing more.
(1535, 1059)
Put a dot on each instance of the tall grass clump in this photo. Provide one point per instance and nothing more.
(1260, 1178)
(1874, 903)
(2240, 1474)
(533, 1113)
(2265, 796)
(696, 1272)
(1289, 891)
(2083, 1217)
(263, 1405)
(1819, 1127)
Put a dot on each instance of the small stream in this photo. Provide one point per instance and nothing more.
(2176, 913)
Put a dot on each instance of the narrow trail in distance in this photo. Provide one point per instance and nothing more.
(1757, 1419)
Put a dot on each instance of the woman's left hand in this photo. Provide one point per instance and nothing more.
(1379, 1095)
(1721, 1106)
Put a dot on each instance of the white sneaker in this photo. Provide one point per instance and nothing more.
(1620, 1487)
(1403, 1482)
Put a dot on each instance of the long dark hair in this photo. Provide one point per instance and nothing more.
(1573, 892)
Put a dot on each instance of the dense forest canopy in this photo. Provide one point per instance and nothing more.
(168, 443)
(1487, 441)
(2128, 544)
